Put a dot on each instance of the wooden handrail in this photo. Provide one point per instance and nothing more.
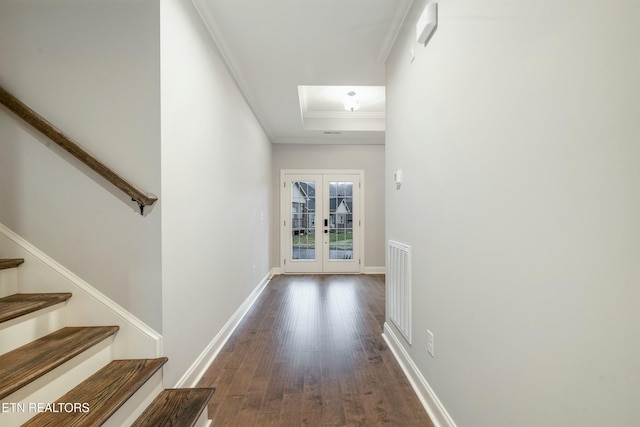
(75, 149)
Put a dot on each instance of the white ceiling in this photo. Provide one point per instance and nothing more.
(274, 46)
(322, 108)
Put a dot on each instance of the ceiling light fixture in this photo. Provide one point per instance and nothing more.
(351, 102)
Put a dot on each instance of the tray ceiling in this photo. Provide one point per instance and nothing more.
(276, 47)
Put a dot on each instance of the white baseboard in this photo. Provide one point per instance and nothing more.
(275, 271)
(197, 370)
(438, 414)
(366, 270)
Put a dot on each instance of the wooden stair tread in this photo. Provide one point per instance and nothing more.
(18, 305)
(29, 362)
(104, 392)
(175, 407)
(6, 263)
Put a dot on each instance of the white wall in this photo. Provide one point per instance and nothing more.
(369, 158)
(216, 182)
(91, 68)
(517, 129)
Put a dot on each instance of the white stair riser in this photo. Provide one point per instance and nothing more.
(204, 420)
(8, 282)
(22, 330)
(51, 386)
(137, 403)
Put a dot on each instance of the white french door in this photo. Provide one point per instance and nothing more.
(321, 221)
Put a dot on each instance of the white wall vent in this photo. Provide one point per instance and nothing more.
(399, 287)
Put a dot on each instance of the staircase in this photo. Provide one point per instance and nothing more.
(54, 374)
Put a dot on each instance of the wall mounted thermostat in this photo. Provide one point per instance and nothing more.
(427, 23)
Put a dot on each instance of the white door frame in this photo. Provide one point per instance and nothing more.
(286, 204)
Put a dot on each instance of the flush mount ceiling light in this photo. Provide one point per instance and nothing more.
(351, 102)
(322, 108)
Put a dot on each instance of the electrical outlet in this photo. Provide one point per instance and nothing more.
(430, 343)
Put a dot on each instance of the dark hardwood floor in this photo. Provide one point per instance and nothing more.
(310, 353)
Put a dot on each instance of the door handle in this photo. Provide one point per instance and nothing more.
(326, 222)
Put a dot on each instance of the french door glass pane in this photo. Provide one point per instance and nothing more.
(340, 220)
(303, 220)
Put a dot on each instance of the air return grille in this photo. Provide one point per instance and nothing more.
(399, 287)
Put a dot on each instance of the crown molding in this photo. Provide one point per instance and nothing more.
(232, 65)
(394, 30)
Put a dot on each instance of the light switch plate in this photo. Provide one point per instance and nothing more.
(430, 343)
(397, 176)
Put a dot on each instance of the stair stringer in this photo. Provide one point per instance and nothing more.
(88, 306)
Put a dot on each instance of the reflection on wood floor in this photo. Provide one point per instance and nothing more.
(310, 353)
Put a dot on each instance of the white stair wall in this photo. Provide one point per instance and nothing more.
(87, 306)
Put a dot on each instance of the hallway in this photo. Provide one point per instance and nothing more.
(310, 352)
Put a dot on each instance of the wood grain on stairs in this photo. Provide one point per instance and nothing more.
(102, 393)
(18, 305)
(6, 263)
(31, 361)
(175, 408)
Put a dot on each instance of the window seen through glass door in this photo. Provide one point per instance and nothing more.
(303, 220)
(341, 220)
